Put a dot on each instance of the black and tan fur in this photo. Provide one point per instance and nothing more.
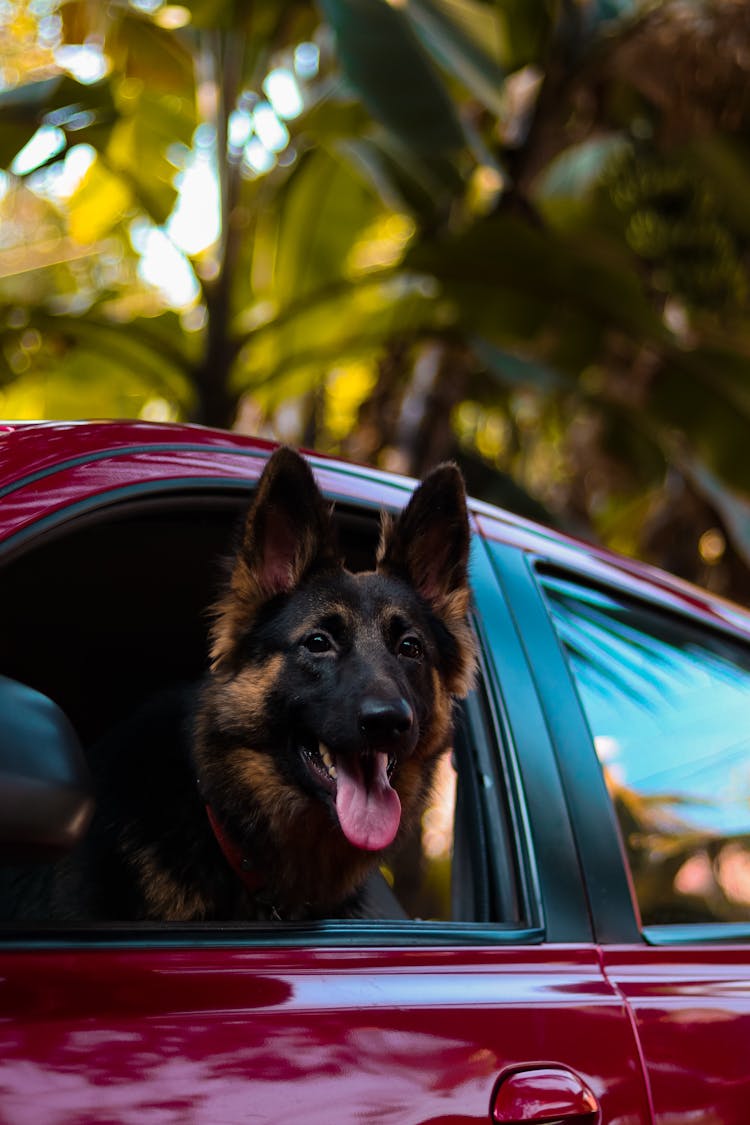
(305, 656)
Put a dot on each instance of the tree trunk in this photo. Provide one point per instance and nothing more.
(221, 61)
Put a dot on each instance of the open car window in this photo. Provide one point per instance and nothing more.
(119, 607)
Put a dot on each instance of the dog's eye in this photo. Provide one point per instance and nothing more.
(409, 647)
(317, 642)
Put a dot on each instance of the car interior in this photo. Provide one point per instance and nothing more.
(105, 611)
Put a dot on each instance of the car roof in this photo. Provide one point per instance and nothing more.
(32, 451)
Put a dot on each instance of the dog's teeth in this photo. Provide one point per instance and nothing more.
(325, 754)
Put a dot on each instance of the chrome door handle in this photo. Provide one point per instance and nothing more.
(545, 1094)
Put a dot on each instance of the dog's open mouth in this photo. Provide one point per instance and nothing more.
(368, 808)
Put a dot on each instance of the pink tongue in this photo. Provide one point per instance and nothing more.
(369, 815)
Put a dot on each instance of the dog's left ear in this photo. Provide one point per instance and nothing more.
(428, 545)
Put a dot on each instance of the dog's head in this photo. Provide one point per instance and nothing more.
(330, 697)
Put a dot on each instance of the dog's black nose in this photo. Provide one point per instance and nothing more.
(385, 721)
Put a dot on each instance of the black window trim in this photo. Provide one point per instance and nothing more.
(553, 875)
(587, 804)
(333, 934)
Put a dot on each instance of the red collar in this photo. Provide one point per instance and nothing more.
(240, 864)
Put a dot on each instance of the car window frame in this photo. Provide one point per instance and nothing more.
(554, 875)
(591, 815)
(482, 720)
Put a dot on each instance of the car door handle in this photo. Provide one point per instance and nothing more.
(549, 1094)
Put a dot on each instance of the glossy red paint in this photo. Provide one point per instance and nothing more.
(37, 482)
(394, 1035)
(41, 447)
(692, 1013)
(38, 446)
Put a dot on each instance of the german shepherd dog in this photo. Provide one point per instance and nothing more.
(316, 732)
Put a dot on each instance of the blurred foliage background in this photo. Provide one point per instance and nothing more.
(514, 232)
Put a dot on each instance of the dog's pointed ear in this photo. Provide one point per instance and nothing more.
(428, 544)
(288, 529)
(288, 533)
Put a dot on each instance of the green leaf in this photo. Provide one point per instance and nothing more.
(528, 26)
(21, 111)
(166, 335)
(211, 13)
(87, 384)
(333, 117)
(139, 143)
(34, 100)
(607, 11)
(513, 370)
(57, 101)
(723, 163)
(13, 137)
(443, 31)
(91, 368)
(329, 327)
(733, 507)
(572, 193)
(387, 66)
(97, 204)
(476, 20)
(505, 252)
(131, 347)
(705, 395)
(324, 210)
(577, 169)
(403, 180)
(235, 16)
(145, 53)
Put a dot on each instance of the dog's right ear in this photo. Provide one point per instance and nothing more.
(288, 533)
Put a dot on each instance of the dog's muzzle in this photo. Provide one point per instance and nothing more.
(359, 781)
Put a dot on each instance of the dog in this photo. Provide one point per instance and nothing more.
(311, 746)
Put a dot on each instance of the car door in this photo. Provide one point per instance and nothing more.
(659, 721)
(500, 1011)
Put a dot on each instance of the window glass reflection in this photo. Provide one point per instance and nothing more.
(668, 706)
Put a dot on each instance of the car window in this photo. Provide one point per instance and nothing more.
(420, 874)
(119, 619)
(667, 704)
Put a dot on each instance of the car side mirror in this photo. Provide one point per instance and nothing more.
(46, 797)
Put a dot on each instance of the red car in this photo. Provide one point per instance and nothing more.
(572, 942)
